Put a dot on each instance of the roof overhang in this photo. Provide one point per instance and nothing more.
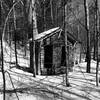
(53, 31)
(47, 34)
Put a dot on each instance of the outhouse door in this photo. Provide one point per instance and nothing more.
(48, 58)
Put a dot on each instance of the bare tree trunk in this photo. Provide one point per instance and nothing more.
(51, 11)
(94, 52)
(66, 49)
(26, 24)
(88, 55)
(44, 16)
(32, 53)
(31, 42)
(78, 27)
(15, 34)
(2, 69)
(97, 33)
(34, 33)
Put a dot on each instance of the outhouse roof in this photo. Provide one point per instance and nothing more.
(47, 33)
(51, 32)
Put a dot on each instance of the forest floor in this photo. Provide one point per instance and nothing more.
(21, 85)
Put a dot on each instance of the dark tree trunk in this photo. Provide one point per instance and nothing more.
(2, 62)
(94, 52)
(66, 49)
(32, 52)
(2, 69)
(34, 33)
(15, 48)
(32, 58)
(26, 24)
(44, 15)
(97, 33)
(14, 15)
(88, 55)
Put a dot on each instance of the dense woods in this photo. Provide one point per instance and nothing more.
(51, 37)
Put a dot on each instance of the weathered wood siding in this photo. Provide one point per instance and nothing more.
(57, 51)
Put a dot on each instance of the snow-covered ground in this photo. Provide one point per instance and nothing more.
(83, 85)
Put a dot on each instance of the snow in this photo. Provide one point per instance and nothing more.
(43, 34)
(83, 85)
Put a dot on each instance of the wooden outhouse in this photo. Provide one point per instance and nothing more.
(50, 55)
